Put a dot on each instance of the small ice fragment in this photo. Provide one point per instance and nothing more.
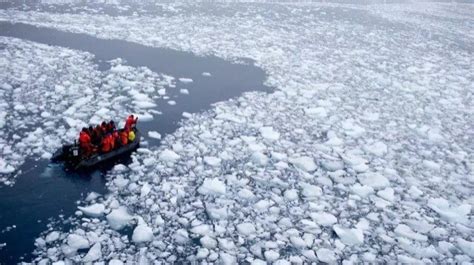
(271, 255)
(455, 214)
(76, 241)
(466, 246)
(53, 236)
(94, 253)
(168, 156)
(362, 190)
(142, 233)
(246, 229)
(305, 163)
(326, 255)
(354, 236)
(375, 180)
(269, 133)
(377, 148)
(212, 161)
(162, 91)
(94, 210)
(405, 231)
(208, 242)
(115, 262)
(212, 186)
(387, 194)
(324, 219)
(185, 80)
(154, 135)
(119, 218)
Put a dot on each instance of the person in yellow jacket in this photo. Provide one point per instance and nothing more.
(131, 136)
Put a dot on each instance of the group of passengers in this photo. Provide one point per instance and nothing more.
(105, 137)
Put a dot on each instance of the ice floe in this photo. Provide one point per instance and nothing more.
(366, 152)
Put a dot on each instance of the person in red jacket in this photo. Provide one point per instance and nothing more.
(111, 126)
(114, 138)
(85, 142)
(104, 128)
(123, 137)
(111, 141)
(98, 134)
(106, 145)
(131, 122)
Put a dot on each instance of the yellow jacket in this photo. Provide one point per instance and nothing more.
(131, 136)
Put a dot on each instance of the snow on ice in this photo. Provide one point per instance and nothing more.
(362, 151)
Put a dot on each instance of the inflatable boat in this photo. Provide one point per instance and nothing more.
(71, 155)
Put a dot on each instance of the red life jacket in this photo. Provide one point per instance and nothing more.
(111, 141)
(84, 139)
(124, 137)
(106, 145)
(129, 122)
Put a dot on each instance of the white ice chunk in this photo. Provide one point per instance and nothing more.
(185, 80)
(269, 133)
(154, 135)
(362, 190)
(466, 246)
(94, 253)
(310, 191)
(350, 237)
(5, 168)
(291, 194)
(119, 218)
(76, 241)
(227, 259)
(212, 186)
(208, 242)
(115, 262)
(246, 229)
(169, 156)
(318, 112)
(297, 242)
(405, 231)
(162, 91)
(326, 255)
(305, 163)
(455, 214)
(431, 165)
(53, 236)
(94, 210)
(92, 196)
(373, 179)
(142, 233)
(259, 158)
(212, 161)
(377, 148)
(271, 255)
(324, 219)
(387, 194)
(415, 192)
